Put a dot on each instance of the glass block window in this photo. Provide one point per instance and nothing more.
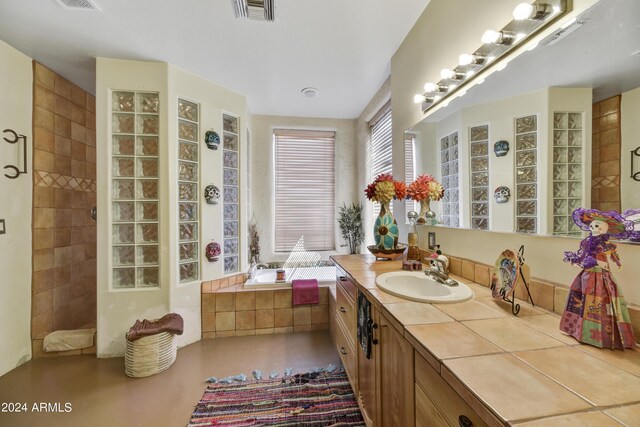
(526, 135)
(231, 192)
(135, 126)
(188, 191)
(567, 171)
(449, 166)
(479, 158)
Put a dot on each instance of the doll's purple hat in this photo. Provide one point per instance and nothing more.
(619, 227)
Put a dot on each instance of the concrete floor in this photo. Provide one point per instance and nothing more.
(98, 393)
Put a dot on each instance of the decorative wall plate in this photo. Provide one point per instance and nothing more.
(501, 148)
(504, 279)
(212, 139)
(212, 194)
(502, 194)
(213, 251)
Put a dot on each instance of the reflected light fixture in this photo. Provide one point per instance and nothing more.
(535, 11)
(498, 37)
(471, 59)
(446, 73)
(528, 20)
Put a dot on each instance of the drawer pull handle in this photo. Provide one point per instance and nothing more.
(343, 278)
(464, 421)
(374, 326)
(342, 350)
(342, 310)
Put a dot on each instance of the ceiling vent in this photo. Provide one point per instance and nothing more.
(78, 4)
(260, 10)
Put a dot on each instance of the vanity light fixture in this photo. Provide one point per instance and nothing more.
(435, 88)
(529, 19)
(471, 59)
(498, 37)
(535, 11)
(447, 74)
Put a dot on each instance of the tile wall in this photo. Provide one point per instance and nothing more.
(64, 180)
(605, 179)
(230, 310)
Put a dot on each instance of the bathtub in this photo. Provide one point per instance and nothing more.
(266, 278)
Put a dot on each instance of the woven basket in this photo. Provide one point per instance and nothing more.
(150, 355)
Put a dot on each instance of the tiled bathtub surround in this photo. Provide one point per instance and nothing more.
(64, 235)
(233, 311)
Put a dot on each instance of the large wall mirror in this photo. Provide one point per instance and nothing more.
(569, 111)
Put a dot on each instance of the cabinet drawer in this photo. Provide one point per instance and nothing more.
(346, 313)
(347, 284)
(347, 353)
(436, 400)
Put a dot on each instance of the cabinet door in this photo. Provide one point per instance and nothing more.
(396, 377)
(367, 380)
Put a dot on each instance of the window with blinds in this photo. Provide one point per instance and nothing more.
(409, 168)
(304, 162)
(381, 147)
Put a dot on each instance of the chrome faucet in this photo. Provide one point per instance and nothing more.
(438, 270)
(255, 267)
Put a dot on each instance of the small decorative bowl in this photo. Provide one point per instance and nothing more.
(387, 253)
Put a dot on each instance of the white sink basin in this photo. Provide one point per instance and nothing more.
(417, 286)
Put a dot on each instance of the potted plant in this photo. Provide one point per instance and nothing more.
(350, 222)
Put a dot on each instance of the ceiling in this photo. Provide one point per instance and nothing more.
(343, 48)
(603, 54)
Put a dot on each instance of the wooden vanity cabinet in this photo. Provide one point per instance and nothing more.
(437, 403)
(345, 325)
(396, 377)
(386, 380)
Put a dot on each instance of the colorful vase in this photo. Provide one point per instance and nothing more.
(426, 215)
(385, 230)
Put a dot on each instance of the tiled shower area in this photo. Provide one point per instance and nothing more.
(64, 194)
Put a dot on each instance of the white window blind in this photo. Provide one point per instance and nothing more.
(381, 147)
(409, 169)
(304, 190)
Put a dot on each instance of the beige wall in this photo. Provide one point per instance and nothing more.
(118, 310)
(262, 191)
(15, 209)
(630, 129)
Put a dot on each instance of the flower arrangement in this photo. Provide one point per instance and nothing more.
(425, 187)
(383, 189)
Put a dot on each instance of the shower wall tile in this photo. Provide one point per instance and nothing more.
(64, 235)
(605, 171)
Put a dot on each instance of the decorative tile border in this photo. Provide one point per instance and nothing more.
(605, 181)
(55, 180)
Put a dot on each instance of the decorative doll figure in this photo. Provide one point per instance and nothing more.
(596, 312)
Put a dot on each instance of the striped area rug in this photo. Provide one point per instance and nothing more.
(300, 400)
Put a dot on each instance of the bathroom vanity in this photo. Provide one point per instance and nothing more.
(473, 363)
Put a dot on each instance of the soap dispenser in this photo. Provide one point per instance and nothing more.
(413, 253)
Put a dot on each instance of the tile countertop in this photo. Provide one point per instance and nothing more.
(511, 370)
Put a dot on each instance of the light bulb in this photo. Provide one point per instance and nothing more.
(418, 99)
(523, 11)
(465, 59)
(446, 73)
(430, 87)
(491, 36)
